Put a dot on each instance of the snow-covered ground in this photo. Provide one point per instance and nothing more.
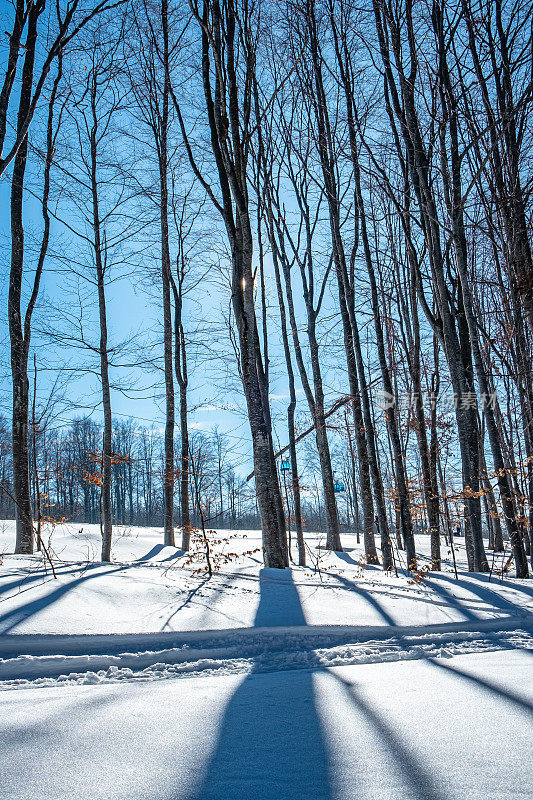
(144, 679)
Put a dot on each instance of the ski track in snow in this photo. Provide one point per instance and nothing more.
(252, 650)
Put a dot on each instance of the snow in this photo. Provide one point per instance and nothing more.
(141, 679)
(438, 730)
(148, 588)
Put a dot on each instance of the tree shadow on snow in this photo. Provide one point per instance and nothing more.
(418, 782)
(351, 586)
(23, 582)
(486, 685)
(11, 619)
(155, 550)
(348, 559)
(189, 598)
(271, 743)
(483, 592)
(508, 584)
(459, 604)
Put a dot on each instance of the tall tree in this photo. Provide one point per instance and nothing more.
(27, 18)
(229, 41)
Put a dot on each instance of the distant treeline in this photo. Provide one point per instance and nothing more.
(67, 468)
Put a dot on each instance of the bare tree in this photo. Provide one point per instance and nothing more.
(229, 38)
(27, 18)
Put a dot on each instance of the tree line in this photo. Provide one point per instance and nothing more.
(66, 478)
(363, 173)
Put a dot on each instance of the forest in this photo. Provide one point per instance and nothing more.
(372, 184)
(269, 312)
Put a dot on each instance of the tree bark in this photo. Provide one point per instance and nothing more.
(402, 105)
(100, 256)
(219, 28)
(19, 334)
(169, 467)
(180, 365)
(454, 203)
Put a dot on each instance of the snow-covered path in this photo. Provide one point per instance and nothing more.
(48, 661)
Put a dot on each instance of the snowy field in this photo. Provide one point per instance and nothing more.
(146, 679)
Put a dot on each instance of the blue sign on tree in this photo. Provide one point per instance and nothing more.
(285, 466)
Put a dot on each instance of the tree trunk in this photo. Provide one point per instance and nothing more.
(100, 256)
(228, 115)
(256, 393)
(390, 413)
(180, 365)
(346, 295)
(169, 468)
(454, 202)
(19, 335)
(405, 111)
(292, 404)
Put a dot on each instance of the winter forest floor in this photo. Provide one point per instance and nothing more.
(141, 679)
